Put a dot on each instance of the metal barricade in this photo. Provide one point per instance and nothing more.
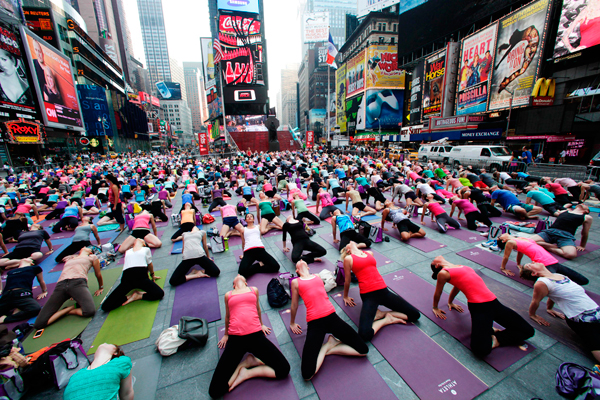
(593, 173)
(576, 172)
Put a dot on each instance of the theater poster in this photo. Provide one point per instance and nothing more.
(340, 97)
(433, 85)
(519, 49)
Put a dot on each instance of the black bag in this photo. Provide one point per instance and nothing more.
(364, 228)
(194, 330)
(39, 376)
(276, 294)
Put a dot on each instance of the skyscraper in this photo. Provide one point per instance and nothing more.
(289, 105)
(154, 37)
(195, 93)
(178, 76)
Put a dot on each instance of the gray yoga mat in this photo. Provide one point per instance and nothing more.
(419, 293)
(410, 351)
(338, 378)
(262, 388)
(145, 373)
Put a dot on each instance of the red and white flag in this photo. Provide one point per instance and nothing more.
(218, 50)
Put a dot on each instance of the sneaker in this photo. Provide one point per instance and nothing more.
(489, 243)
(494, 247)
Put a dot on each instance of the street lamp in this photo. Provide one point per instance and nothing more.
(102, 120)
(512, 96)
(378, 120)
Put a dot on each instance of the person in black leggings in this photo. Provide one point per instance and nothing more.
(301, 212)
(301, 242)
(158, 208)
(347, 232)
(217, 200)
(254, 250)
(194, 252)
(483, 203)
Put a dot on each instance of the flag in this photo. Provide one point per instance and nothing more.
(331, 52)
(218, 50)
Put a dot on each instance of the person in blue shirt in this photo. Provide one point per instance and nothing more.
(526, 156)
(511, 203)
(187, 197)
(545, 201)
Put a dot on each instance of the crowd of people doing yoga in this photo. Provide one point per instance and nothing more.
(287, 192)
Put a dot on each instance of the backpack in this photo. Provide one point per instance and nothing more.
(208, 219)
(340, 274)
(284, 205)
(285, 279)
(216, 244)
(276, 294)
(39, 375)
(575, 381)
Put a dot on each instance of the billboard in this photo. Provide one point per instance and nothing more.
(574, 33)
(203, 143)
(366, 6)
(355, 74)
(95, 111)
(383, 108)
(519, 47)
(340, 98)
(316, 27)
(41, 22)
(54, 83)
(382, 68)
(208, 65)
(249, 6)
(310, 139)
(168, 90)
(476, 62)
(20, 102)
(353, 114)
(416, 92)
(433, 85)
(321, 59)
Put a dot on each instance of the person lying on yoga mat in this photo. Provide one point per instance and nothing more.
(158, 208)
(217, 199)
(315, 184)
(511, 203)
(245, 333)
(72, 284)
(91, 205)
(300, 211)
(560, 237)
(483, 305)
(374, 293)
(141, 230)
(344, 223)
(254, 250)
(301, 242)
(81, 239)
(324, 200)
(14, 226)
(589, 188)
(438, 214)
(266, 215)
(409, 195)
(358, 207)
(70, 218)
(17, 302)
(561, 196)
(194, 252)
(581, 313)
(137, 266)
(28, 246)
(537, 254)
(401, 221)
(543, 200)
(27, 207)
(231, 223)
(321, 319)
(107, 378)
(187, 223)
(472, 213)
(478, 197)
(379, 198)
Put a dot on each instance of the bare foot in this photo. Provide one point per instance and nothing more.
(399, 315)
(380, 315)
(318, 260)
(495, 342)
(247, 363)
(197, 274)
(2, 318)
(242, 376)
(137, 295)
(394, 320)
(331, 343)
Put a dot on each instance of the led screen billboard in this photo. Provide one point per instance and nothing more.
(95, 111)
(578, 27)
(382, 68)
(383, 108)
(355, 74)
(433, 85)
(169, 90)
(340, 102)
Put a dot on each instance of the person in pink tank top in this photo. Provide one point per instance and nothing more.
(483, 305)
(472, 213)
(321, 319)
(244, 333)
(141, 230)
(438, 214)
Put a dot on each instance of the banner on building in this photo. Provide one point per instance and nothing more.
(95, 111)
(355, 74)
(366, 6)
(321, 56)
(570, 38)
(208, 64)
(416, 92)
(340, 98)
(316, 27)
(41, 22)
(476, 63)
(24, 132)
(354, 114)
(433, 85)
(310, 139)
(519, 49)
(203, 143)
(382, 68)
(166, 91)
(543, 92)
(384, 109)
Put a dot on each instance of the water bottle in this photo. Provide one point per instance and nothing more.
(226, 243)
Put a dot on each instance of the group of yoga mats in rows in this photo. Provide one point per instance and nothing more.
(71, 325)
(129, 323)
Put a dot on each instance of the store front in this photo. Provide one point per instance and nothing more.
(578, 148)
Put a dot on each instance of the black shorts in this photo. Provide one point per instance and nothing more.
(411, 195)
(20, 253)
(360, 205)
(140, 233)
(117, 214)
(49, 203)
(269, 217)
(408, 226)
(247, 197)
(88, 207)
(270, 193)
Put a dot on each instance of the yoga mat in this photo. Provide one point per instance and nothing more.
(110, 227)
(129, 323)
(61, 234)
(196, 298)
(177, 247)
(262, 388)
(272, 232)
(313, 209)
(261, 280)
(419, 293)
(466, 235)
(71, 326)
(145, 374)
(424, 244)
(47, 260)
(160, 223)
(588, 249)
(510, 217)
(338, 378)
(328, 237)
(410, 351)
(315, 267)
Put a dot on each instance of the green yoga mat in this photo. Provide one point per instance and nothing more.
(129, 323)
(111, 227)
(70, 326)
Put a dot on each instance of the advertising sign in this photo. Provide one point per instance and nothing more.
(366, 6)
(521, 37)
(433, 85)
(571, 37)
(416, 91)
(384, 109)
(316, 27)
(355, 74)
(476, 63)
(41, 22)
(481, 134)
(18, 103)
(310, 139)
(354, 115)
(321, 58)
(155, 101)
(543, 92)
(54, 83)
(382, 68)
(340, 98)
(23, 132)
(243, 50)
(249, 6)
(208, 65)
(215, 108)
(203, 143)
(167, 91)
(95, 111)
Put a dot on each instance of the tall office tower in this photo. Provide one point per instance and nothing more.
(178, 76)
(289, 105)
(124, 39)
(195, 92)
(154, 37)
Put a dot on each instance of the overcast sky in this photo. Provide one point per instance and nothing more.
(187, 20)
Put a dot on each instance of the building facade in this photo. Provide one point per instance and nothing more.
(178, 115)
(289, 105)
(196, 98)
(154, 36)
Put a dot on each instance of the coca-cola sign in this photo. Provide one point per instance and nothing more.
(237, 24)
(23, 132)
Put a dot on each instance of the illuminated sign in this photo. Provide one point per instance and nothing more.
(543, 92)
(22, 132)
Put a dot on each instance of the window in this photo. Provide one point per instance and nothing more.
(381, 40)
(434, 149)
(392, 40)
(485, 152)
(500, 151)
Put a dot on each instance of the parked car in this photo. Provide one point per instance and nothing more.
(434, 152)
(480, 156)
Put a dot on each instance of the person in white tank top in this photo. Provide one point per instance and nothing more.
(255, 258)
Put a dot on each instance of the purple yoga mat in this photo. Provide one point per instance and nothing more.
(259, 280)
(419, 293)
(262, 388)
(37, 290)
(424, 244)
(273, 232)
(315, 267)
(197, 298)
(337, 378)
(61, 234)
(160, 223)
(588, 249)
(328, 237)
(466, 235)
(509, 217)
(410, 351)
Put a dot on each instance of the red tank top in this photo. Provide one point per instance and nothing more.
(243, 316)
(436, 209)
(471, 284)
(111, 195)
(365, 269)
(315, 298)
(142, 221)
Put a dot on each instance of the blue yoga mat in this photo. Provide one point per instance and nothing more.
(177, 247)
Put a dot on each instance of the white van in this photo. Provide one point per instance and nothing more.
(480, 156)
(435, 152)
